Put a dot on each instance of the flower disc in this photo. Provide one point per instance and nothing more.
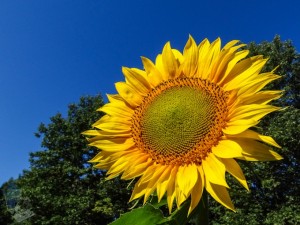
(180, 123)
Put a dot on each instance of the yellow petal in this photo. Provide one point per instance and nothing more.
(161, 174)
(209, 59)
(117, 110)
(112, 145)
(269, 156)
(138, 191)
(220, 66)
(96, 158)
(131, 96)
(109, 119)
(256, 151)
(123, 162)
(103, 166)
(107, 135)
(244, 77)
(235, 170)
(254, 135)
(231, 64)
(156, 175)
(214, 170)
(239, 68)
(170, 63)
(116, 169)
(253, 111)
(113, 126)
(203, 50)
(190, 54)
(123, 120)
(186, 178)
(91, 132)
(180, 197)
(171, 189)
(197, 191)
(220, 194)
(137, 168)
(239, 126)
(154, 75)
(103, 119)
(256, 85)
(178, 56)
(163, 183)
(230, 44)
(137, 81)
(115, 98)
(227, 149)
(262, 97)
(160, 67)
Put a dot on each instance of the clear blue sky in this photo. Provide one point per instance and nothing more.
(52, 52)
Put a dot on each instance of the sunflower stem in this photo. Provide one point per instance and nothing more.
(203, 214)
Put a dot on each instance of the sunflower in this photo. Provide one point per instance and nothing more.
(179, 124)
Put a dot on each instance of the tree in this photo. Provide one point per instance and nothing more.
(274, 186)
(61, 186)
(13, 198)
(281, 54)
(5, 215)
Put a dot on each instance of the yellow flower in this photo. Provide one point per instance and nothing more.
(179, 124)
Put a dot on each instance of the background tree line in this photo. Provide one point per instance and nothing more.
(61, 187)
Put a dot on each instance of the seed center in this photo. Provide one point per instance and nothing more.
(180, 120)
(177, 119)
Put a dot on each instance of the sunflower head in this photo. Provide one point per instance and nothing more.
(180, 123)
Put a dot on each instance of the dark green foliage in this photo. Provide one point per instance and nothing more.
(274, 186)
(284, 55)
(5, 215)
(61, 186)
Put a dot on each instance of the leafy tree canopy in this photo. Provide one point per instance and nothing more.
(61, 186)
(5, 215)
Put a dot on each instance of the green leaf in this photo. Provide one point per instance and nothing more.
(145, 215)
(154, 201)
(178, 217)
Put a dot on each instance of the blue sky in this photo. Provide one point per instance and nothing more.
(52, 52)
